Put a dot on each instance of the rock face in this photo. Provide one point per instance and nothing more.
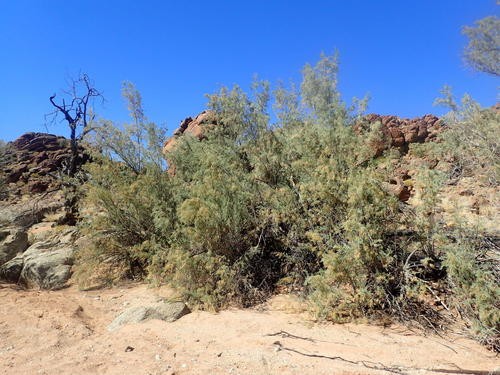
(13, 241)
(11, 271)
(47, 264)
(400, 133)
(25, 213)
(195, 127)
(26, 256)
(33, 158)
(166, 311)
(35, 249)
(44, 264)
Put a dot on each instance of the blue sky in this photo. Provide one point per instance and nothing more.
(401, 52)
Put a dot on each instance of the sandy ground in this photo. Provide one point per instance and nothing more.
(65, 332)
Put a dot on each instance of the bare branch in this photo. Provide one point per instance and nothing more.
(80, 95)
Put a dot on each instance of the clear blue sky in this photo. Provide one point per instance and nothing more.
(401, 52)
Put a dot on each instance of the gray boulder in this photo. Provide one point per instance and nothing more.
(47, 264)
(26, 213)
(166, 311)
(11, 271)
(12, 242)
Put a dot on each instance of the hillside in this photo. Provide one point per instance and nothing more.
(50, 222)
(337, 215)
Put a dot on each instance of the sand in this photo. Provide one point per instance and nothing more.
(65, 332)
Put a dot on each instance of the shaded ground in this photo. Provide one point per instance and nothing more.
(64, 332)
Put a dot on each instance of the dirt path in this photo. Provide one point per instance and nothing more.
(64, 332)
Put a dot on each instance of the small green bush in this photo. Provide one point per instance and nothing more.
(474, 277)
(471, 138)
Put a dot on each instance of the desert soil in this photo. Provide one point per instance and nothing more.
(65, 332)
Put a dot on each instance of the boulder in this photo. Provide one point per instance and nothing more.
(47, 264)
(163, 310)
(26, 213)
(13, 242)
(398, 188)
(11, 271)
(195, 127)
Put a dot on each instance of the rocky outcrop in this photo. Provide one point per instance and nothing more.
(195, 127)
(163, 310)
(36, 244)
(401, 132)
(35, 159)
(34, 250)
(25, 213)
(44, 265)
(397, 132)
(39, 142)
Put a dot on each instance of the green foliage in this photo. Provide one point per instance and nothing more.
(125, 187)
(471, 140)
(470, 257)
(124, 221)
(138, 144)
(300, 204)
(483, 51)
(472, 269)
(257, 205)
(319, 88)
(360, 270)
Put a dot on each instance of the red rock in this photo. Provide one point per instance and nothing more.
(41, 157)
(402, 132)
(195, 127)
(37, 186)
(34, 159)
(17, 172)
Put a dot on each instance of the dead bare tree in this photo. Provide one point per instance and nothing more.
(76, 109)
